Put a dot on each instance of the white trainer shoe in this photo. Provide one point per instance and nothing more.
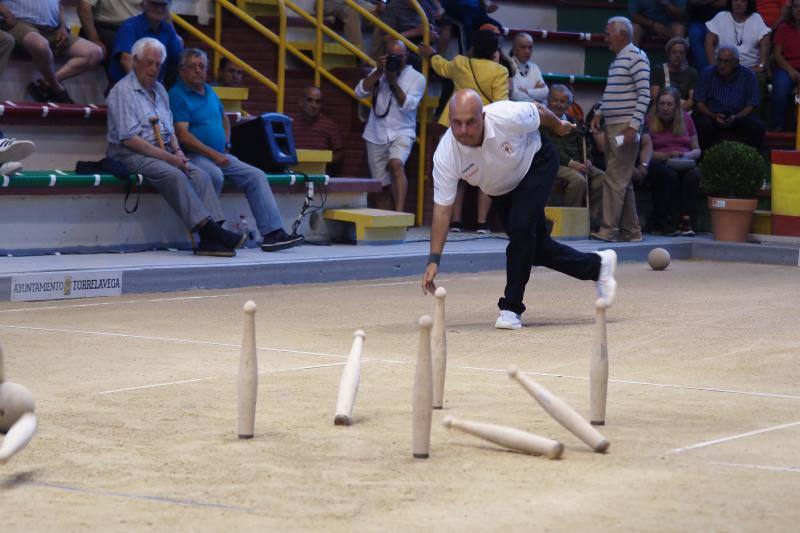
(508, 320)
(606, 284)
(14, 150)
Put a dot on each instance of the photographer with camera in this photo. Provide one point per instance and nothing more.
(396, 90)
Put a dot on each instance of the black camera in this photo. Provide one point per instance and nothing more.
(393, 63)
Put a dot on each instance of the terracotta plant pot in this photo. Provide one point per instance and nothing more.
(731, 218)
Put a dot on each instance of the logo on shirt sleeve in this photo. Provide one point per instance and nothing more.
(507, 148)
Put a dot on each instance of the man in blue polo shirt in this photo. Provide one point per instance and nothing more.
(203, 130)
(726, 96)
(153, 22)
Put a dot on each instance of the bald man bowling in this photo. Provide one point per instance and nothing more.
(498, 149)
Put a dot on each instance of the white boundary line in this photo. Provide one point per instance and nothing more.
(184, 381)
(392, 361)
(733, 437)
(758, 467)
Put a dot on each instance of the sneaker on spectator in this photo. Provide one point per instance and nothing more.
(456, 227)
(606, 284)
(280, 240)
(6, 169)
(483, 228)
(508, 320)
(14, 150)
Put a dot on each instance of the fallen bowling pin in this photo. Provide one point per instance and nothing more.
(348, 384)
(248, 375)
(508, 437)
(598, 370)
(422, 401)
(439, 349)
(561, 411)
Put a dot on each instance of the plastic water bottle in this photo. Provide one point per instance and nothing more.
(244, 227)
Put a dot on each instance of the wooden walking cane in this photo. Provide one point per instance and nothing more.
(154, 122)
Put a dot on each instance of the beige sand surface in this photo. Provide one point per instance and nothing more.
(702, 351)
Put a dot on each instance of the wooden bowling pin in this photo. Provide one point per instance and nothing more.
(561, 411)
(422, 402)
(248, 374)
(18, 436)
(508, 437)
(348, 384)
(598, 371)
(439, 349)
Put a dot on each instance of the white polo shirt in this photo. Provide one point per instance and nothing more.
(511, 139)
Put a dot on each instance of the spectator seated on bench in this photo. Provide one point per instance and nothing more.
(786, 75)
(673, 174)
(676, 72)
(726, 96)
(154, 22)
(575, 167)
(38, 27)
(527, 84)
(101, 19)
(204, 130)
(314, 131)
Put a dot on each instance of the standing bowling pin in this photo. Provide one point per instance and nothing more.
(512, 438)
(348, 384)
(561, 411)
(248, 374)
(598, 371)
(423, 392)
(439, 349)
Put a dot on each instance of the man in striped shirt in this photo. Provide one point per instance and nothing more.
(624, 105)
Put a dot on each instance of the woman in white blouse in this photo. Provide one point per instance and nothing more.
(742, 27)
(528, 84)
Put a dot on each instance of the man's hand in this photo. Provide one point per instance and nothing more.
(11, 20)
(426, 50)
(629, 137)
(380, 64)
(428, 287)
(102, 46)
(221, 160)
(580, 167)
(62, 37)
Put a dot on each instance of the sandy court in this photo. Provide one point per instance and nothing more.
(136, 398)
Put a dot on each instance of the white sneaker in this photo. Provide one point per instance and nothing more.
(14, 150)
(606, 284)
(508, 320)
(6, 169)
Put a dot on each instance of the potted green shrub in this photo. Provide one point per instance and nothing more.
(732, 175)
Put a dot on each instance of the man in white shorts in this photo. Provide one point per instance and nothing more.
(498, 149)
(396, 90)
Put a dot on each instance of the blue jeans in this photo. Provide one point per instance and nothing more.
(254, 184)
(697, 45)
(782, 87)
